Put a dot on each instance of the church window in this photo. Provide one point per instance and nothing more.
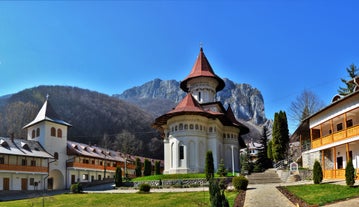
(181, 126)
(175, 128)
(181, 152)
(200, 127)
(59, 133)
(38, 132)
(191, 126)
(186, 126)
(210, 129)
(56, 156)
(224, 135)
(196, 126)
(53, 131)
(2, 160)
(33, 134)
(199, 96)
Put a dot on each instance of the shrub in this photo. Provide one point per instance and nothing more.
(350, 173)
(118, 177)
(240, 182)
(145, 188)
(217, 197)
(209, 166)
(222, 171)
(147, 168)
(317, 173)
(76, 188)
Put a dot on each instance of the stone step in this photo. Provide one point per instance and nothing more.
(269, 176)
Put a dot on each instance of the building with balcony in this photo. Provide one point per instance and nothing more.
(48, 160)
(331, 135)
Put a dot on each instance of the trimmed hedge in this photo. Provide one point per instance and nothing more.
(240, 182)
(145, 188)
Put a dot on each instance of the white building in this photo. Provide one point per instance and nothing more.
(199, 124)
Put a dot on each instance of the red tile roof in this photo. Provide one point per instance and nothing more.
(202, 68)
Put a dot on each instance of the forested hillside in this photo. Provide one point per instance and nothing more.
(91, 114)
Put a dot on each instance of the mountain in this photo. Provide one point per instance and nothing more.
(160, 96)
(91, 114)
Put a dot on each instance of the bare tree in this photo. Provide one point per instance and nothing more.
(127, 143)
(306, 104)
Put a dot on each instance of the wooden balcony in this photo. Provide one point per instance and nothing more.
(337, 174)
(338, 136)
(89, 166)
(35, 169)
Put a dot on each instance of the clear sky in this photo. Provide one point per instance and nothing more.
(279, 47)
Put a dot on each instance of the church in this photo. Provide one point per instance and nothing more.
(199, 124)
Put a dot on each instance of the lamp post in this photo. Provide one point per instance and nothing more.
(232, 160)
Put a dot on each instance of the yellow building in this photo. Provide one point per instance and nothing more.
(331, 135)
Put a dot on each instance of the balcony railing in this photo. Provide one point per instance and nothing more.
(341, 135)
(89, 166)
(22, 168)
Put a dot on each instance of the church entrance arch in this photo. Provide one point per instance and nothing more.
(56, 180)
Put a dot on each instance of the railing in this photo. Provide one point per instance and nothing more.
(89, 166)
(350, 132)
(279, 164)
(23, 168)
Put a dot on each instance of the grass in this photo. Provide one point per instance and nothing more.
(322, 194)
(170, 177)
(126, 200)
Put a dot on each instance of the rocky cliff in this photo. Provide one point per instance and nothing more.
(160, 96)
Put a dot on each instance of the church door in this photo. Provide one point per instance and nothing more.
(23, 183)
(6, 184)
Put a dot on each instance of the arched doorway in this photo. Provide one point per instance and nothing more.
(55, 180)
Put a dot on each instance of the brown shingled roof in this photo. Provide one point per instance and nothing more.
(202, 68)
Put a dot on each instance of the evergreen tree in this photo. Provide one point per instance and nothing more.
(217, 197)
(138, 168)
(263, 162)
(317, 173)
(245, 169)
(118, 177)
(280, 136)
(222, 171)
(350, 173)
(147, 168)
(158, 168)
(269, 150)
(353, 71)
(209, 166)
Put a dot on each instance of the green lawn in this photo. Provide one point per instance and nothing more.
(118, 200)
(323, 193)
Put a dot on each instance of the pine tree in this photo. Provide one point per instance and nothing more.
(118, 177)
(269, 150)
(147, 168)
(350, 173)
(353, 71)
(280, 136)
(222, 171)
(245, 169)
(263, 162)
(209, 166)
(138, 168)
(317, 173)
(158, 168)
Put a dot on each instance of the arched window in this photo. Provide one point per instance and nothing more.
(59, 133)
(53, 131)
(181, 126)
(56, 156)
(33, 134)
(37, 132)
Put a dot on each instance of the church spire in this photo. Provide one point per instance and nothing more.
(201, 68)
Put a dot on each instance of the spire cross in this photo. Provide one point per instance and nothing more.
(47, 97)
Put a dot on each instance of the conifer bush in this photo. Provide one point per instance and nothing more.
(76, 188)
(350, 173)
(317, 173)
(145, 188)
(240, 183)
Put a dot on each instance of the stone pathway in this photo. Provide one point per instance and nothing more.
(259, 195)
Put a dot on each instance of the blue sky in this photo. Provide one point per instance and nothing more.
(279, 47)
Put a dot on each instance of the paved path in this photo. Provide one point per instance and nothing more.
(259, 195)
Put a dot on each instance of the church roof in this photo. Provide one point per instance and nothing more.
(47, 113)
(202, 68)
(190, 106)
